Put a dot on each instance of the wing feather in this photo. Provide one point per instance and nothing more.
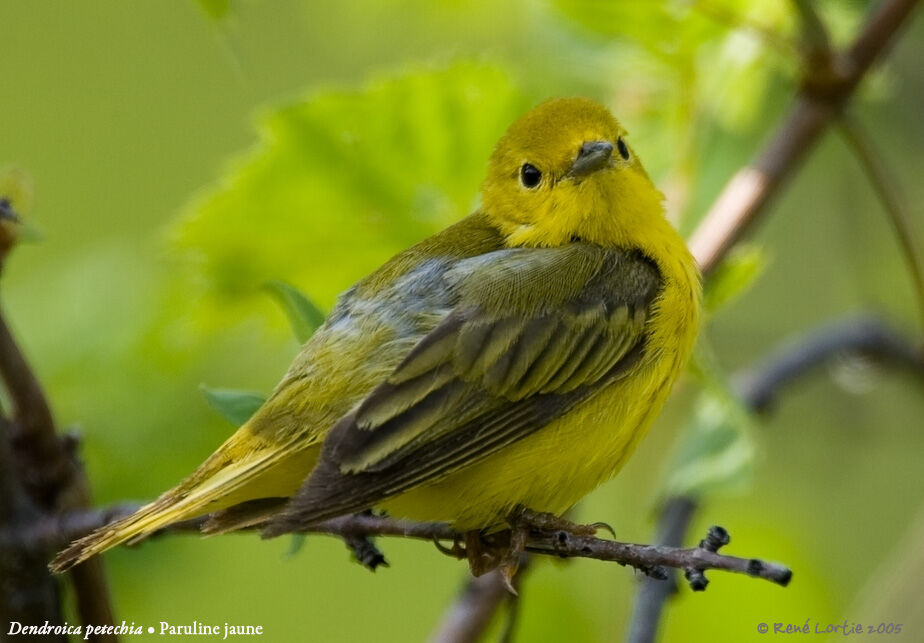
(493, 371)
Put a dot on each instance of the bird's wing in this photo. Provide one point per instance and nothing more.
(533, 333)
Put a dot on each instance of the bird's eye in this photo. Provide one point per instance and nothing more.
(530, 176)
(623, 148)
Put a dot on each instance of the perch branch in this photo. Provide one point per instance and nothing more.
(739, 205)
(58, 529)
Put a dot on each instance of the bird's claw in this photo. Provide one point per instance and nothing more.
(503, 550)
(597, 526)
(456, 551)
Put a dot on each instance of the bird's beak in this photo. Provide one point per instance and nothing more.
(7, 212)
(591, 157)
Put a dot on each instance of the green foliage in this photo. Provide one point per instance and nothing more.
(717, 449)
(343, 179)
(235, 406)
(717, 444)
(734, 276)
(677, 37)
(303, 315)
(296, 543)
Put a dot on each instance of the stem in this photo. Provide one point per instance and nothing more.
(891, 198)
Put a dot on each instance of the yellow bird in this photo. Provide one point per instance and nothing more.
(513, 360)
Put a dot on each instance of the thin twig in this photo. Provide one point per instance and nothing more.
(814, 33)
(891, 197)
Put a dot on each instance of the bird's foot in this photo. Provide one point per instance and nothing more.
(456, 551)
(504, 550)
(365, 552)
(534, 521)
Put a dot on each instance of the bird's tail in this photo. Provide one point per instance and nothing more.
(235, 473)
(143, 522)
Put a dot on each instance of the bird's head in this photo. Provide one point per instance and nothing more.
(565, 171)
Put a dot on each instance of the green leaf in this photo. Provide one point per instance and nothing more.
(717, 447)
(716, 451)
(236, 406)
(295, 545)
(340, 181)
(216, 9)
(304, 316)
(734, 277)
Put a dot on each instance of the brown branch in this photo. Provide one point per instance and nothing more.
(868, 336)
(739, 205)
(32, 429)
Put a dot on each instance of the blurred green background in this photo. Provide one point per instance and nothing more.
(180, 155)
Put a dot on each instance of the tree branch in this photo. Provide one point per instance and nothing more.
(742, 202)
(47, 473)
(817, 44)
(761, 385)
(27, 593)
(58, 529)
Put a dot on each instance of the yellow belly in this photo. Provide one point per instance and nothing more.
(550, 470)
